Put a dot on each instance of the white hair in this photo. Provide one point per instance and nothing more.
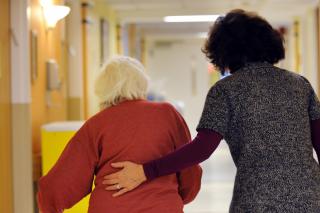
(121, 78)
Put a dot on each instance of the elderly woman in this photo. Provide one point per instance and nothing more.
(269, 117)
(127, 128)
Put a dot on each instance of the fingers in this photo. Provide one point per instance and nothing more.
(112, 188)
(110, 182)
(119, 164)
(121, 192)
(112, 176)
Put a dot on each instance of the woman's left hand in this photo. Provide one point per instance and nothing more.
(129, 178)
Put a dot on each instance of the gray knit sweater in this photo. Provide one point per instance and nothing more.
(264, 113)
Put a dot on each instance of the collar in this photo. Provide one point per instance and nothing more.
(256, 66)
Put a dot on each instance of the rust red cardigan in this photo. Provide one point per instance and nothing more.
(137, 131)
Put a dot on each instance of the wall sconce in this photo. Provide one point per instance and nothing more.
(54, 13)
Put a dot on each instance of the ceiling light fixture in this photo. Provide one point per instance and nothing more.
(194, 18)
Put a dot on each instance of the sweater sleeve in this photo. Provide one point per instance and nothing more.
(189, 179)
(197, 151)
(315, 133)
(314, 103)
(72, 176)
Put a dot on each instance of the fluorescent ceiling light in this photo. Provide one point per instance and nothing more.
(195, 18)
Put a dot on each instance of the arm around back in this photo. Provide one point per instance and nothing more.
(189, 178)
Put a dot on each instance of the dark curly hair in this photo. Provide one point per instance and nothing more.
(242, 37)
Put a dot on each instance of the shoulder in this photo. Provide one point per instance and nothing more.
(167, 108)
(96, 117)
(237, 79)
(296, 79)
(220, 88)
(169, 111)
(292, 75)
(227, 83)
(224, 82)
(150, 106)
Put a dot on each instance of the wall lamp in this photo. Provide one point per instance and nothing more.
(53, 13)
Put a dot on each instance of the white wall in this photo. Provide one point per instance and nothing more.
(75, 57)
(170, 63)
(309, 46)
(20, 86)
(93, 60)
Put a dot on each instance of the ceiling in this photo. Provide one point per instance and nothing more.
(149, 13)
(154, 10)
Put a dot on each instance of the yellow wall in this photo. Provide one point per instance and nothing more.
(46, 106)
(100, 10)
(6, 194)
(103, 10)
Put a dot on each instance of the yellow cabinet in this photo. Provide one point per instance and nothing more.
(55, 137)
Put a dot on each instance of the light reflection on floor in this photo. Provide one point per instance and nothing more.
(217, 184)
(213, 198)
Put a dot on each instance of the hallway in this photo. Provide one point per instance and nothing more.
(52, 51)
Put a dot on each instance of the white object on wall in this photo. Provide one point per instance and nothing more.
(53, 79)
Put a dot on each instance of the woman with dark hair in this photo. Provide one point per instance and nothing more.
(269, 117)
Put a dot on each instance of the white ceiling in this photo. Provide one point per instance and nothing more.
(150, 13)
(154, 10)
